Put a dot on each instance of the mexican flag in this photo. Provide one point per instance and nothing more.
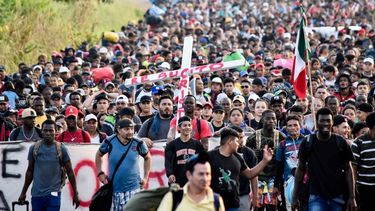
(302, 54)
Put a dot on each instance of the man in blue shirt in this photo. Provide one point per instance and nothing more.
(45, 171)
(127, 180)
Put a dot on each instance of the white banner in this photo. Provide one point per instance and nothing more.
(14, 163)
(190, 71)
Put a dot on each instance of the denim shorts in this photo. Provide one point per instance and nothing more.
(51, 202)
(318, 203)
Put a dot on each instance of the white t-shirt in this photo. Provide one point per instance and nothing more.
(95, 140)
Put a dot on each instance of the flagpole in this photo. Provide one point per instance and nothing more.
(310, 87)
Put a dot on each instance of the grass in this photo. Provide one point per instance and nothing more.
(29, 28)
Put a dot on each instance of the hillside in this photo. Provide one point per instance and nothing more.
(32, 27)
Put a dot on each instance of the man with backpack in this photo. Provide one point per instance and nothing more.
(268, 135)
(286, 157)
(28, 131)
(123, 161)
(326, 157)
(73, 134)
(201, 128)
(49, 163)
(196, 194)
(157, 127)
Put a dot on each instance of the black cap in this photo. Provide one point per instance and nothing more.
(4, 99)
(365, 107)
(2, 68)
(101, 97)
(124, 123)
(55, 96)
(276, 99)
(338, 119)
(218, 108)
(258, 81)
(126, 111)
(52, 109)
(145, 98)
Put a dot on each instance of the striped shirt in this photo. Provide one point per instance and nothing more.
(364, 158)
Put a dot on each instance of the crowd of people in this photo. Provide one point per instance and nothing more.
(315, 153)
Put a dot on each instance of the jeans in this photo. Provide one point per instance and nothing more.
(51, 202)
(318, 203)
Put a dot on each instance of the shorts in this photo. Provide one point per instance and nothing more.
(51, 202)
(120, 199)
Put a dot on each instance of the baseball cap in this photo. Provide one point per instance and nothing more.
(145, 98)
(64, 70)
(207, 104)
(199, 103)
(109, 84)
(124, 123)
(253, 96)
(244, 73)
(239, 98)
(217, 80)
(4, 99)
(260, 65)
(156, 90)
(165, 65)
(28, 112)
(218, 108)
(52, 109)
(338, 119)
(71, 111)
(276, 99)
(122, 98)
(103, 50)
(101, 97)
(369, 59)
(257, 81)
(2, 68)
(90, 117)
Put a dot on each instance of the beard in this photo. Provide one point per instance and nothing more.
(165, 115)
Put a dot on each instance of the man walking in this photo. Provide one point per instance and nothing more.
(363, 165)
(197, 194)
(328, 157)
(227, 165)
(127, 179)
(179, 150)
(48, 161)
(73, 134)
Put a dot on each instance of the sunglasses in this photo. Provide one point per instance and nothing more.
(244, 87)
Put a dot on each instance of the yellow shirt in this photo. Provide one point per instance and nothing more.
(40, 119)
(187, 204)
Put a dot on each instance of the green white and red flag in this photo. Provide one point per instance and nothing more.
(302, 54)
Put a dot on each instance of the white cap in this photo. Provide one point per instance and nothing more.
(122, 98)
(370, 60)
(217, 80)
(165, 65)
(64, 69)
(253, 96)
(90, 117)
(103, 50)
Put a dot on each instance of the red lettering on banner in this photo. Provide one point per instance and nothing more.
(162, 75)
(156, 174)
(181, 97)
(179, 112)
(173, 74)
(134, 80)
(200, 68)
(183, 73)
(183, 84)
(144, 78)
(216, 66)
(92, 166)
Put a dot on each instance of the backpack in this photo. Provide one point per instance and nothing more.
(150, 199)
(59, 155)
(304, 191)
(83, 136)
(18, 130)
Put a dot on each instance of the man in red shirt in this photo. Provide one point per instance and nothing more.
(73, 134)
